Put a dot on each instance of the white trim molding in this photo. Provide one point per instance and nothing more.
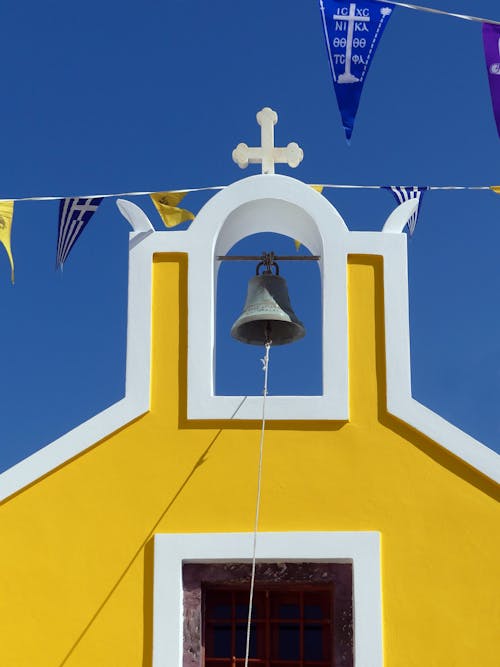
(362, 549)
(264, 203)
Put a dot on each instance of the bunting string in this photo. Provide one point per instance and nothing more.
(345, 186)
(431, 10)
(335, 186)
(109, 195)
(75, 212)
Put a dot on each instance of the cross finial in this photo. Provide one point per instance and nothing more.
(267, 154)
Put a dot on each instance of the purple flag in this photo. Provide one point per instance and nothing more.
(491, 40)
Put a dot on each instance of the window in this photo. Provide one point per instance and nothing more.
(187, 564)
(302, 615)
(290, 626)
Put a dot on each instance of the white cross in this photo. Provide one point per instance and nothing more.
(267, 154)
(351, 19)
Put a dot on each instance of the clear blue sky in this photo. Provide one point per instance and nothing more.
(111, 97)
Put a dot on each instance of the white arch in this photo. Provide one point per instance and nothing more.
(315, 207)
(269, 215)
(271, 203)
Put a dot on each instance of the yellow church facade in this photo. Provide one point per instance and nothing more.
(104, 531)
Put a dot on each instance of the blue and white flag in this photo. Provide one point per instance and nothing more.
(405, 194)
(74, 213)
(352, 32)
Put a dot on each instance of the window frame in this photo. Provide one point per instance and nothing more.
(273, 594)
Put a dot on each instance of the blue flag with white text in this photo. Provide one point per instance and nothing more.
(74, 214)
(352, 33)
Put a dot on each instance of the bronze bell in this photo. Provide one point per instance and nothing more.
(267, 315)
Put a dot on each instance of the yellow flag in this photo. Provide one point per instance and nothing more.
(318, 188)
(6, 214)
(167, 206)
(495, 188)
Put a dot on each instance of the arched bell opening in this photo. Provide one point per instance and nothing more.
(296, 368)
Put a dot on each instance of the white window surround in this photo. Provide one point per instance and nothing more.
(362, 549)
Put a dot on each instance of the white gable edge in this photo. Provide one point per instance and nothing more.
(400, 403)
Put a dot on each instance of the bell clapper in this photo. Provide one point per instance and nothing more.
(267, 333)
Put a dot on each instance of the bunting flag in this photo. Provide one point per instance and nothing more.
(352, 32)
(405, 194)
(491, 42)
(6, 215)
(74, 214)
(167, 205)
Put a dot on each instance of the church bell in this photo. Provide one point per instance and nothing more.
(268, 315)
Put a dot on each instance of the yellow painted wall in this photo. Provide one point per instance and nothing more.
(76, 556)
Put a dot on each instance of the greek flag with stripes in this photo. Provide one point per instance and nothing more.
(402, 194)
(74, 214)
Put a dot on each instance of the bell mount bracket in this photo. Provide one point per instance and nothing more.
(268, 260)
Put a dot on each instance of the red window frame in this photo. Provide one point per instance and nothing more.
(292, 626)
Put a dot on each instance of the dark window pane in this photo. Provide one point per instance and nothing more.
(316, 605)
(219, 605)
(312, 611)
(288, 611)
(241, 640)
(286, 641)
(313, 642)
(242, 600)
(242, 611)
(285, 605)
(221, 611)
(221, 638)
